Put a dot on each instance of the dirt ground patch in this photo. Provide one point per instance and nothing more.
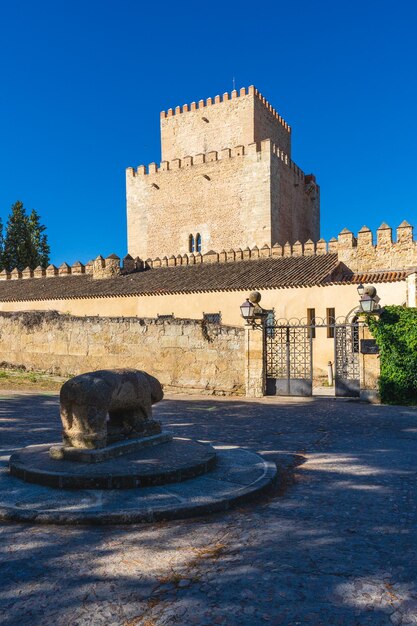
(23, 380)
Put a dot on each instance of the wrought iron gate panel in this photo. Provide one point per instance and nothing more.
(289, 367)
(275, 352)
(289, 360)
(346, 350)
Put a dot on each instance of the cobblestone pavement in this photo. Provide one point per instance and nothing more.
(336, 543)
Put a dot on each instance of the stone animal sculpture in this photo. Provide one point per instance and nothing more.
(103, 407)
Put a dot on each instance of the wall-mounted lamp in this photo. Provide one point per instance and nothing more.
(369, 300)
(252, 312)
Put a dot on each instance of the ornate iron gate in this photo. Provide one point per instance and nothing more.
(289, 357)
(289, 370)
(346, 358)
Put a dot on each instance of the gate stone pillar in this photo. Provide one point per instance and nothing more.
(412, 289)
(369, 371)
(255, 376)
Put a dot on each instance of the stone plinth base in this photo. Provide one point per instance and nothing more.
(237, 476)
(85, 455)
(170, 462)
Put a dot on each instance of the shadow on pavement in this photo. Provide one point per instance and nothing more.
(338, 546)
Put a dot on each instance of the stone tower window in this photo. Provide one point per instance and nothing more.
(198, 242)
(191, 246)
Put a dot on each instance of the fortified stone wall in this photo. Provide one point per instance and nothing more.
(231, 120)
(225, 200)
(363, 253)
(226, 176)
(226, 197)
(185, 355)
(269, 125)
(295, 203)
(100, 267)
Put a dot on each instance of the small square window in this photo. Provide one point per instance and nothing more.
(212, 318)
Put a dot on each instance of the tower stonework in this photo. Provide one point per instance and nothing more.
(232, 121)
(227, 176)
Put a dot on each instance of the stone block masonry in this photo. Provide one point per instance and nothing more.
(226, 180)
(185, 355)
(367, 253)
(362, 253)
(224, 196)
(229, 120)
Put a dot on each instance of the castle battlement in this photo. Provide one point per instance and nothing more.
(99, 267)
(225, 178)
(265, 146)
(359, 253)
(201, 104)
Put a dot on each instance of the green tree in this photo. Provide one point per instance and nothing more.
(18, 249)
(395, 331)
(25, 242)
(40, 244)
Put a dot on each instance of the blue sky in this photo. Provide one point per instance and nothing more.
(82, 85)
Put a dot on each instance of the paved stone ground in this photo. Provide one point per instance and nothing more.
(335, 544)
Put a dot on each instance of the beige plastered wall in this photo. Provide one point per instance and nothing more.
(287, 303)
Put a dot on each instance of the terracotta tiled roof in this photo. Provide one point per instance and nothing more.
(267, 273)
(382, 276)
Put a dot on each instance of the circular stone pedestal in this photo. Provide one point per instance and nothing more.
(237, 476)
(169, 462)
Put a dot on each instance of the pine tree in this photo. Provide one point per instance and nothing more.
(18, 250)
(44, 251)
(25, 244)
(40, 245)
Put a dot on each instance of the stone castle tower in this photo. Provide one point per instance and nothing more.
(226, 180)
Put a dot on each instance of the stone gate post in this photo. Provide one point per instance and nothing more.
(369, 368)
(255, 371)
(412, 288)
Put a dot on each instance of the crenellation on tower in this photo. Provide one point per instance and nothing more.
(225, 153)
(238, 117)
(226, 178)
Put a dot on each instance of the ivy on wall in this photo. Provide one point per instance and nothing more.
(395, 331)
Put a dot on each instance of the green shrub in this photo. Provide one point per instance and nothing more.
(395, 332)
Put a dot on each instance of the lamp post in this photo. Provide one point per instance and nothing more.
(255, 358)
